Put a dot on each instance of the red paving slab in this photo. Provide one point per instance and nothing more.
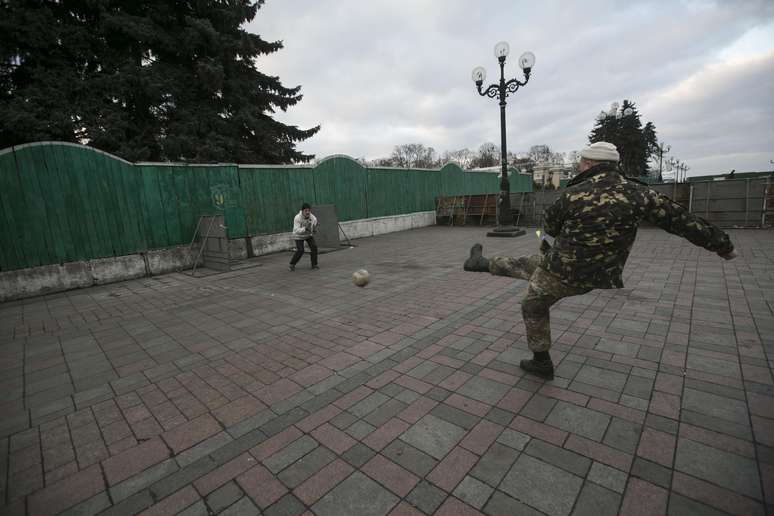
(658, 447)
(173, 504)
(481, 437)
(134, 460)
(390, 475)
(452, 469)
(221, 378)
(67, 492)
(644, 499)
(326, 479)
(259, 484)
(228, 471)
(333, 438)
(193, 432)
(385, 434)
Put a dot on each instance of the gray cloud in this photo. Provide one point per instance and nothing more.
(380, 73)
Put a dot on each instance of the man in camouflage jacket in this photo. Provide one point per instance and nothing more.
(594, 223)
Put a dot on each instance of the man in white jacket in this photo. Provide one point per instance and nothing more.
(304, 228)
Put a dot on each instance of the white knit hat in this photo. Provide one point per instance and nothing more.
(600, 151)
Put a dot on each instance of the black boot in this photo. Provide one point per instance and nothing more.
(476, 262)
(540, 364)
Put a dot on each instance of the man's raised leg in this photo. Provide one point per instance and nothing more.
(521, 268)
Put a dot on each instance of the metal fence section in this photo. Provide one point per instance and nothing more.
(731, 203)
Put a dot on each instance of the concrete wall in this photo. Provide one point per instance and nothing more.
(35, 281)
(381, 225)
(352, 229)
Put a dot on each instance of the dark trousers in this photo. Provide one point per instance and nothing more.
(300, 251)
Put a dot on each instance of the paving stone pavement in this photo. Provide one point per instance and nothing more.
(264, 391)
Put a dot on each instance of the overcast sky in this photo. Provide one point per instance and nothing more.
(375, 74)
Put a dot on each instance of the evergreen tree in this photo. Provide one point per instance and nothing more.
(651, 140)
(146, 80)
(40, 82)
(624, 130)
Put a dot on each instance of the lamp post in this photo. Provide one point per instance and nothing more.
(662, 149)
(501, 91)
(680, 169)
(674, 165)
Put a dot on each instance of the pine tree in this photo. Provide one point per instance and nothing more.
(624, 130)
(40, 83)
(147, 80)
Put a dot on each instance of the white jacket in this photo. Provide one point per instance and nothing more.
(303, 228)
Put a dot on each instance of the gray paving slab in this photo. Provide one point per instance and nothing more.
(579, 420)
(618, 347)
(540, 485)
(433, 436)
(611, 478)
(726, 469)
(714, 405)
(595, 500)
(603, 378)
(426, 497)
(473, 492)
(623, 435)
(484, 390)
(358, 495)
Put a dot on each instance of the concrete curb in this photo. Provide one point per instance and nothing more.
(48, 279)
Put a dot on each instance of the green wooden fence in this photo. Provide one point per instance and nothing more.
(62, 202)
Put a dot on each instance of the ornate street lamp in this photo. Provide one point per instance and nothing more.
(501, 91)
(680, 169)
(662, 149)
(674, 165)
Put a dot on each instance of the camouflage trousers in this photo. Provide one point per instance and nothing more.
(545, 289)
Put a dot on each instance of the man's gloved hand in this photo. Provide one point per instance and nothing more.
(728, 256)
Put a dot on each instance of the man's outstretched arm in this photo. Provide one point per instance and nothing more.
(673, 218)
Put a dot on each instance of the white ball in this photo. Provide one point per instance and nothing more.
(361, 278)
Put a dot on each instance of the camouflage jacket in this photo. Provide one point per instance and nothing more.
(595, 221)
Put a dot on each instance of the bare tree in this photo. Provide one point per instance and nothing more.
(540, 153)
(463, 157)
(488, 155)
(382, 162)
(557, 158)
(573, 162)
(573, 157)
(413, 155)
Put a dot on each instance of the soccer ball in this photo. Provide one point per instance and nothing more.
(361, 278)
